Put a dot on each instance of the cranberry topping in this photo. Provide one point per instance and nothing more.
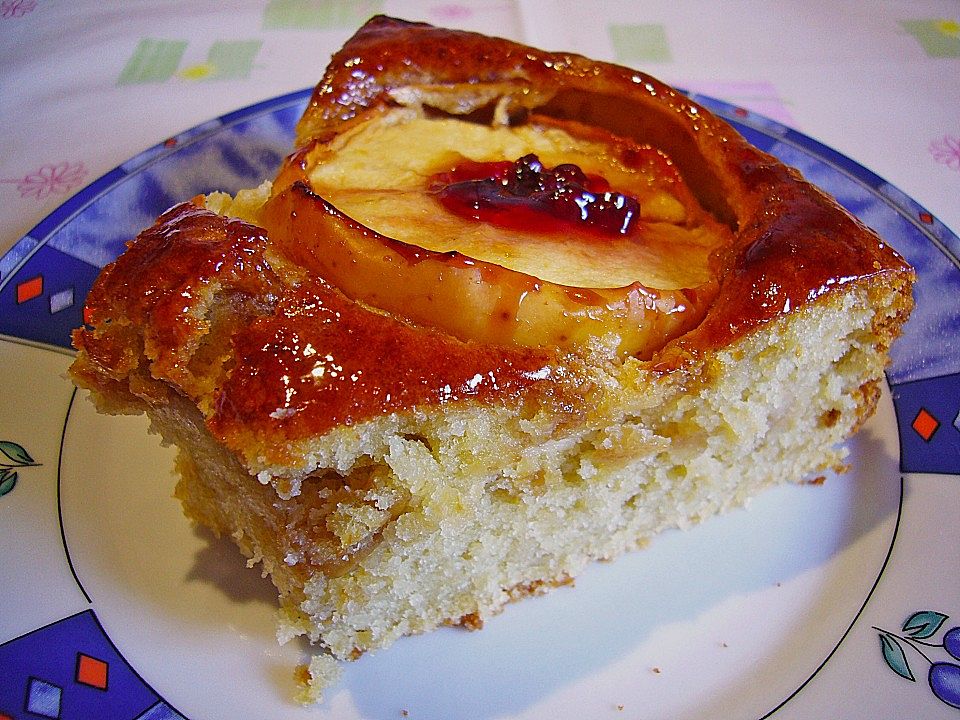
(526, 195)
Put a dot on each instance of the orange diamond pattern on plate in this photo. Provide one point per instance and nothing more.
(91, 671)
(29, 289)
(925, 424)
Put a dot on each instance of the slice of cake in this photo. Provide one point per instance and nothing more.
(502, 313)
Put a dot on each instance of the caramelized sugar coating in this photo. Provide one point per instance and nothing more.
(522, 274)
(271, 354)
(467, 297)
(791, 243)
(270, 349)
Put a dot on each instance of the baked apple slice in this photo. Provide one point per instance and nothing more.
(544, 233)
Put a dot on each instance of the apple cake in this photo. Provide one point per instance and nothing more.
(501, 313)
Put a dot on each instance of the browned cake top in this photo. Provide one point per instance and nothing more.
(792, 242)
(276, 352)
(270, 350)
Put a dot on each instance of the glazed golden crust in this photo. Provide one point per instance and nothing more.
(203, 306)
(793, 243)
(196, 306)
(391, 61)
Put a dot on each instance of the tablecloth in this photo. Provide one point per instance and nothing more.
(87, 85)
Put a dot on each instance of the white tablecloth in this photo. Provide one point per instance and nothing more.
(87, 85)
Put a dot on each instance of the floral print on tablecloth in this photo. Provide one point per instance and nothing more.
(946, 150)
(49, 179)
(16, 8)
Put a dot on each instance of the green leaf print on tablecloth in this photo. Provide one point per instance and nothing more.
(315, 14)
(639, 43)
(156, 61)
(939, 38)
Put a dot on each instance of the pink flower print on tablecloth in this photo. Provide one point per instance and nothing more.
(48, 179)
(946, 150)
(16, 8)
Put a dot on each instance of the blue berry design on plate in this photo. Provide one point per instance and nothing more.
(12, 456)
(943, 676)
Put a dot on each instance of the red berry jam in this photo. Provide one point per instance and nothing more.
(525, 195)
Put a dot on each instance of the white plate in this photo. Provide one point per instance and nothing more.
(818, 601)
